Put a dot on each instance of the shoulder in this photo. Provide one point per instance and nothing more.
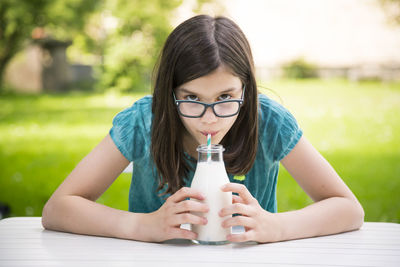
(131, 128)
(278, 128)
(271, 110)
(146, 100)
(143, 104)
(141, 107)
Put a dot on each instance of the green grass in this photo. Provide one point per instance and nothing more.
(356, 126)
(43, 137)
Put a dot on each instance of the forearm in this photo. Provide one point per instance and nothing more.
(79, 215)
(329, 216)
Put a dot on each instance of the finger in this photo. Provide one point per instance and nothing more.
(237, 208)
(183, 218)
(240, 189)
(246, 236)
(237, 199)
(191, 205)
(186, 192)
(181, 233)
(244, 221)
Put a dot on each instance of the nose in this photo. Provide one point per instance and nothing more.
(209, 116)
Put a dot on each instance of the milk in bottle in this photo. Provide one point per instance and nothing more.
(210, 175)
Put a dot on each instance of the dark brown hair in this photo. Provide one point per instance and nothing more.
(195, 48)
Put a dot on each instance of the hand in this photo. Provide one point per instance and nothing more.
(260, 225)
(165, 223)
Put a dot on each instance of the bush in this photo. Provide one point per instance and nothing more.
(299, 69)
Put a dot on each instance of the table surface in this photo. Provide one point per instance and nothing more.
(24, 242)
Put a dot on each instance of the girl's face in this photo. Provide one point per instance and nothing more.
(216, 86)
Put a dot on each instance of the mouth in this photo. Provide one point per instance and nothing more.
(212, 133)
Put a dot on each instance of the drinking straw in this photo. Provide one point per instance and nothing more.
(208, 147)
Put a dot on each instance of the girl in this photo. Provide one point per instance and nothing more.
(204, 85)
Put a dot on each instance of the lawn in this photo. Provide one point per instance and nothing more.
(356, 126)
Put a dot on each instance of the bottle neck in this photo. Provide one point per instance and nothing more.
(214, 153)
(212, 157)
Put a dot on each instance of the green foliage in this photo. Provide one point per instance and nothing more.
(132, 48)
(354, 125)
(121, 38)
(60, 18)
(13, 14)
(299, 69)
(66, 18)
(128, 37)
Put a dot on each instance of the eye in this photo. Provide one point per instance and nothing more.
(191, 98)
(224, 97)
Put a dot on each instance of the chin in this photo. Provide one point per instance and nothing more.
(216, 140)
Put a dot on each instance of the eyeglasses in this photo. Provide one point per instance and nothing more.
(196, 109)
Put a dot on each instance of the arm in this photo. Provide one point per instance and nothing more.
(72, 207)
(335, 210)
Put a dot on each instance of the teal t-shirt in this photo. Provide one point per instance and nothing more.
(278, 135)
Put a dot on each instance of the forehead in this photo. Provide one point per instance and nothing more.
(218, 81)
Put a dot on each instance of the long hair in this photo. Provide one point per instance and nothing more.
(195, 48)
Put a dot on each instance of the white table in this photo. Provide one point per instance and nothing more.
(24, 242)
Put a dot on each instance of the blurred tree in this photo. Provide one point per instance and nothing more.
(132, 48)
(130, 39)
(392, 9)
(23, 19)
(299, 69)
(123, 37)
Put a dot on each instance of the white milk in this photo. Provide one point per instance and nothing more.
(210, 175)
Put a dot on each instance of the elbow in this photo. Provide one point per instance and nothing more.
(47, 214)
(359, 215)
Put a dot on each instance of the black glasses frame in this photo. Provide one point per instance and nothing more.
(206, 105)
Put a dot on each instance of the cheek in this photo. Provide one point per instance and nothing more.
(229, 123)
(189, 124)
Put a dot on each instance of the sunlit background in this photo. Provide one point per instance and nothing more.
(68, 67)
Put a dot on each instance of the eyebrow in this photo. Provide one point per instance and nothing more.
(228, 90)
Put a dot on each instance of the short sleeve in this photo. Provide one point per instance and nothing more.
(279, 128)
(131, 129)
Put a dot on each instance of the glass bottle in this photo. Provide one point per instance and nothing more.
(210, 175)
